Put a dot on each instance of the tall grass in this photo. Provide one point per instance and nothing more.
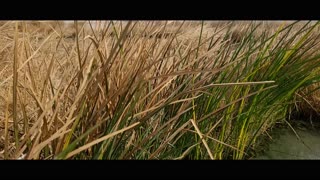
(150, 90)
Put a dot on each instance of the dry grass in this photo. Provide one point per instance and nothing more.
(108, 90)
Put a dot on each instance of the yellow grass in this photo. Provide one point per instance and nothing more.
(40, 60)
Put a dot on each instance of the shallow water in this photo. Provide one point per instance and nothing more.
(288, 146)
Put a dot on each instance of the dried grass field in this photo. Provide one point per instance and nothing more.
(152, 89)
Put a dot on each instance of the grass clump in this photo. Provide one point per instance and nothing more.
(150, 90)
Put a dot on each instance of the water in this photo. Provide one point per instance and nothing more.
(288, 146)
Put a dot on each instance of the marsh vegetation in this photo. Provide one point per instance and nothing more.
(152, 89)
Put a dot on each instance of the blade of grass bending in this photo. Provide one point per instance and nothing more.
(82, 148)
(202, 139)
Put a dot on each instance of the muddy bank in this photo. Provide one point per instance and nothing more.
(304, 143)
